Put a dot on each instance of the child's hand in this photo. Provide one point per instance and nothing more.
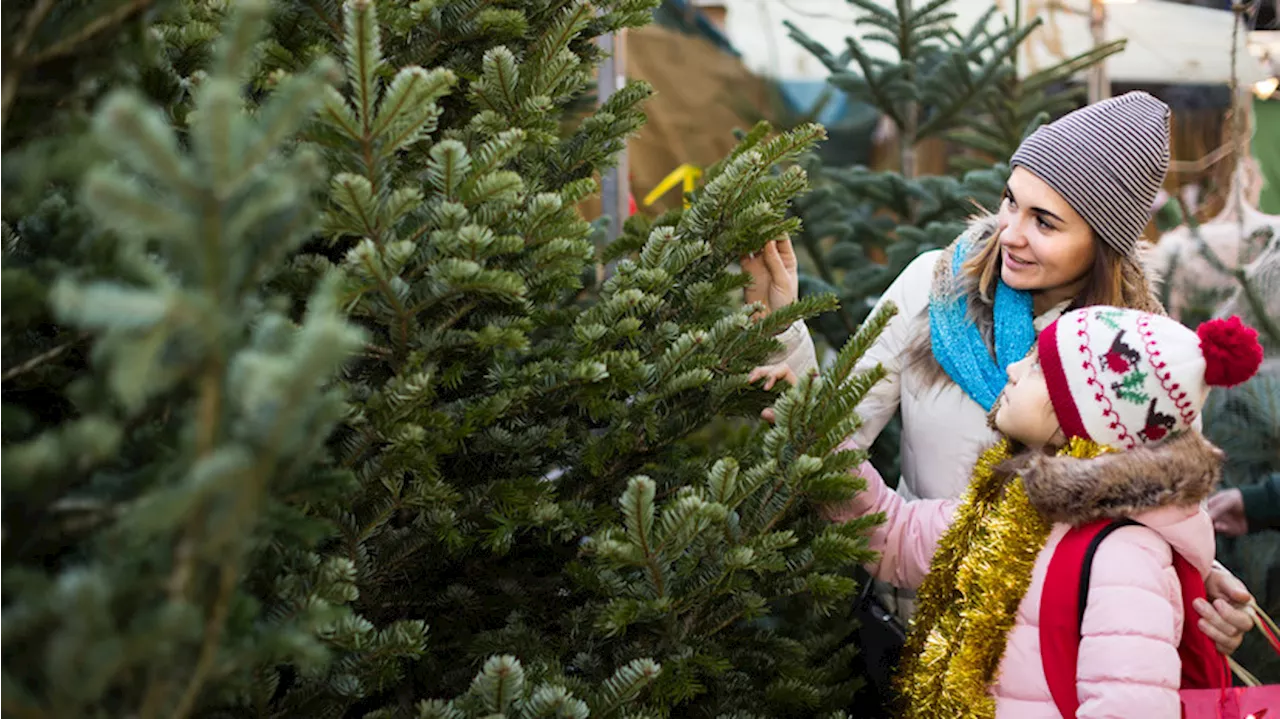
(1227, 619)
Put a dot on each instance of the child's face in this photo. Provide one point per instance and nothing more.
(1024, 411)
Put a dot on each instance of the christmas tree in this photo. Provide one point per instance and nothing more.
(506, 401)
(351, 420)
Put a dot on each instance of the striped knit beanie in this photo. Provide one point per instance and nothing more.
(1125, 378)
(1108, 160)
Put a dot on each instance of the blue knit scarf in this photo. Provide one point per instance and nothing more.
(958, 345)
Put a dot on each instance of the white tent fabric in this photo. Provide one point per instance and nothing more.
(1167, 42)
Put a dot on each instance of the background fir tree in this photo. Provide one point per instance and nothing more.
(936, 75)
(995, 124)
(1245, 422)
(60, 55)
(59, 59)
(147, 502)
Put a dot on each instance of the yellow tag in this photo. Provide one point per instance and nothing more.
(686, 174)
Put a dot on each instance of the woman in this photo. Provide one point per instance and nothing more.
(1066, 235)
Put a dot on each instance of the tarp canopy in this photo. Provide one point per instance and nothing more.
(1168, 42)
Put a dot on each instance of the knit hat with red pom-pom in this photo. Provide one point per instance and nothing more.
(1125, 378)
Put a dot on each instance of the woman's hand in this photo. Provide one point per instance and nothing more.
(775, 283)
(772, 374)
(775, 276)
(1228, 617)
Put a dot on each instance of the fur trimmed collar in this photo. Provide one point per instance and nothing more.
(1180, 471)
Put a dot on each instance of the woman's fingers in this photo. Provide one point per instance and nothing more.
(774, 276)
(772, 374)
(786, 251)
(755, 266)
(773, 258)
(758, 291)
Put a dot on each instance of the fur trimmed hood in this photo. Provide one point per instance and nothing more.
(1179, 472)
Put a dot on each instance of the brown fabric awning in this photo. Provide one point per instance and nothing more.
(702, 95)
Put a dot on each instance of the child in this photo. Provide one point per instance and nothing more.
(1098, 425)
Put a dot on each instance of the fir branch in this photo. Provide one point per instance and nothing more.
(30, 24)
(102, 23)
(213, 631)
(363, 59)
(333, 24)
(44, 357)
(1256, 303)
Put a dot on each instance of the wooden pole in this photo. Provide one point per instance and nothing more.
(615, 183)
(1099, 81)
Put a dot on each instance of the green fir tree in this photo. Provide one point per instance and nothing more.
(507, 400)
(151, 504)
(995, 124)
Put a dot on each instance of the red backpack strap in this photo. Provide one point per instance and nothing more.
(1066, 589)
(1066, 594)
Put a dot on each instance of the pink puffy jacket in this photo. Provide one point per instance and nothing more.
(1128, 664)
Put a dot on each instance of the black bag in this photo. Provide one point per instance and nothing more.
(881, 637)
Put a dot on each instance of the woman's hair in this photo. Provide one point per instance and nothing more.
(1113, 280)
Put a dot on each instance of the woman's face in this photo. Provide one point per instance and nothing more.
(1045, 245)
(1025, 412)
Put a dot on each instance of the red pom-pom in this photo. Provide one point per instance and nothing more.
(1231, 351)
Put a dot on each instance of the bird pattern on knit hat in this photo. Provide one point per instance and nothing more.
(1108, 160)
(1125, 378)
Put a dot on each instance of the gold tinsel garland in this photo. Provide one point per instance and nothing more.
(969, 601)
